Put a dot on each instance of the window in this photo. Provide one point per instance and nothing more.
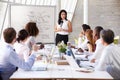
(68, 5)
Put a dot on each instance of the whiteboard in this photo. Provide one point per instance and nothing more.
(44, 16)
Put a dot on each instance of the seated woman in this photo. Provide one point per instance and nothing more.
(82, 40)
(32, 29)
(110, 58)
(90, 43)
(20, 47)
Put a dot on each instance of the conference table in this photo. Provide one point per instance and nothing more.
(54, 71)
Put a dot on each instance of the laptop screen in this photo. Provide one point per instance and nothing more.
(72, 53)
(76, 60)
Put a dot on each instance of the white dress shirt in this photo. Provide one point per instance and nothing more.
(22, 50)
(98, 51)
(64, 26)
(82, 43)
(80, 40)
(110, 61)
(9, 60)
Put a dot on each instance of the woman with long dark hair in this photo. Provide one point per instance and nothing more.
(20, 47)
(63, 28)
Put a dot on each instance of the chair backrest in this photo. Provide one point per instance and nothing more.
(0, 76)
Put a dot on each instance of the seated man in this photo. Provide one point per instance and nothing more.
(110, 58)
(99, 46)
(9, 60)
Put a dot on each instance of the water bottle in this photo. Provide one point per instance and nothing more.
(68, 52)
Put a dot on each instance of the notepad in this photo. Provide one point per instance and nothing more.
(39, 68)
(85, 70)
(62, 62)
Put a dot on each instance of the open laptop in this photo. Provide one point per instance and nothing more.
(76, 60)
(40, 66)
(79, 61)
(72, 54)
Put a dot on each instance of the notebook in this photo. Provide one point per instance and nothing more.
(39, 68)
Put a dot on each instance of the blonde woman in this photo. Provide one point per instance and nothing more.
(90, 43)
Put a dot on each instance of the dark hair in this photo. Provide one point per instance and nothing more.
(22, 35)
(32, 29)
(9, 34)
(97, 30)
(59, 18)
(107, 36)
(85, 27)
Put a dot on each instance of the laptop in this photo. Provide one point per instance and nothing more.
(71, 52)
(79, 61)
(76, 60)
(40, 66)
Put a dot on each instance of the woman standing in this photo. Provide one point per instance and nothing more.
(63, 28)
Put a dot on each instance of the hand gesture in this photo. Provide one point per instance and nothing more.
(35, 47)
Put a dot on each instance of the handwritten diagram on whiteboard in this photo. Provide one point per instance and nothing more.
(44, 16)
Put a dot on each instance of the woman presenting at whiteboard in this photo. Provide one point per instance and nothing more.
(62, 28)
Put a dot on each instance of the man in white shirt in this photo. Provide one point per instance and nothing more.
(110, 59)
(98, 52)
(9, 60)
(99, 46)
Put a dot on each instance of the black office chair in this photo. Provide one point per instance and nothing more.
(0, 76)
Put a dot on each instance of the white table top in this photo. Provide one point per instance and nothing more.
(61, 72)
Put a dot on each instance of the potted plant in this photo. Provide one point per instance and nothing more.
(61, 48)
